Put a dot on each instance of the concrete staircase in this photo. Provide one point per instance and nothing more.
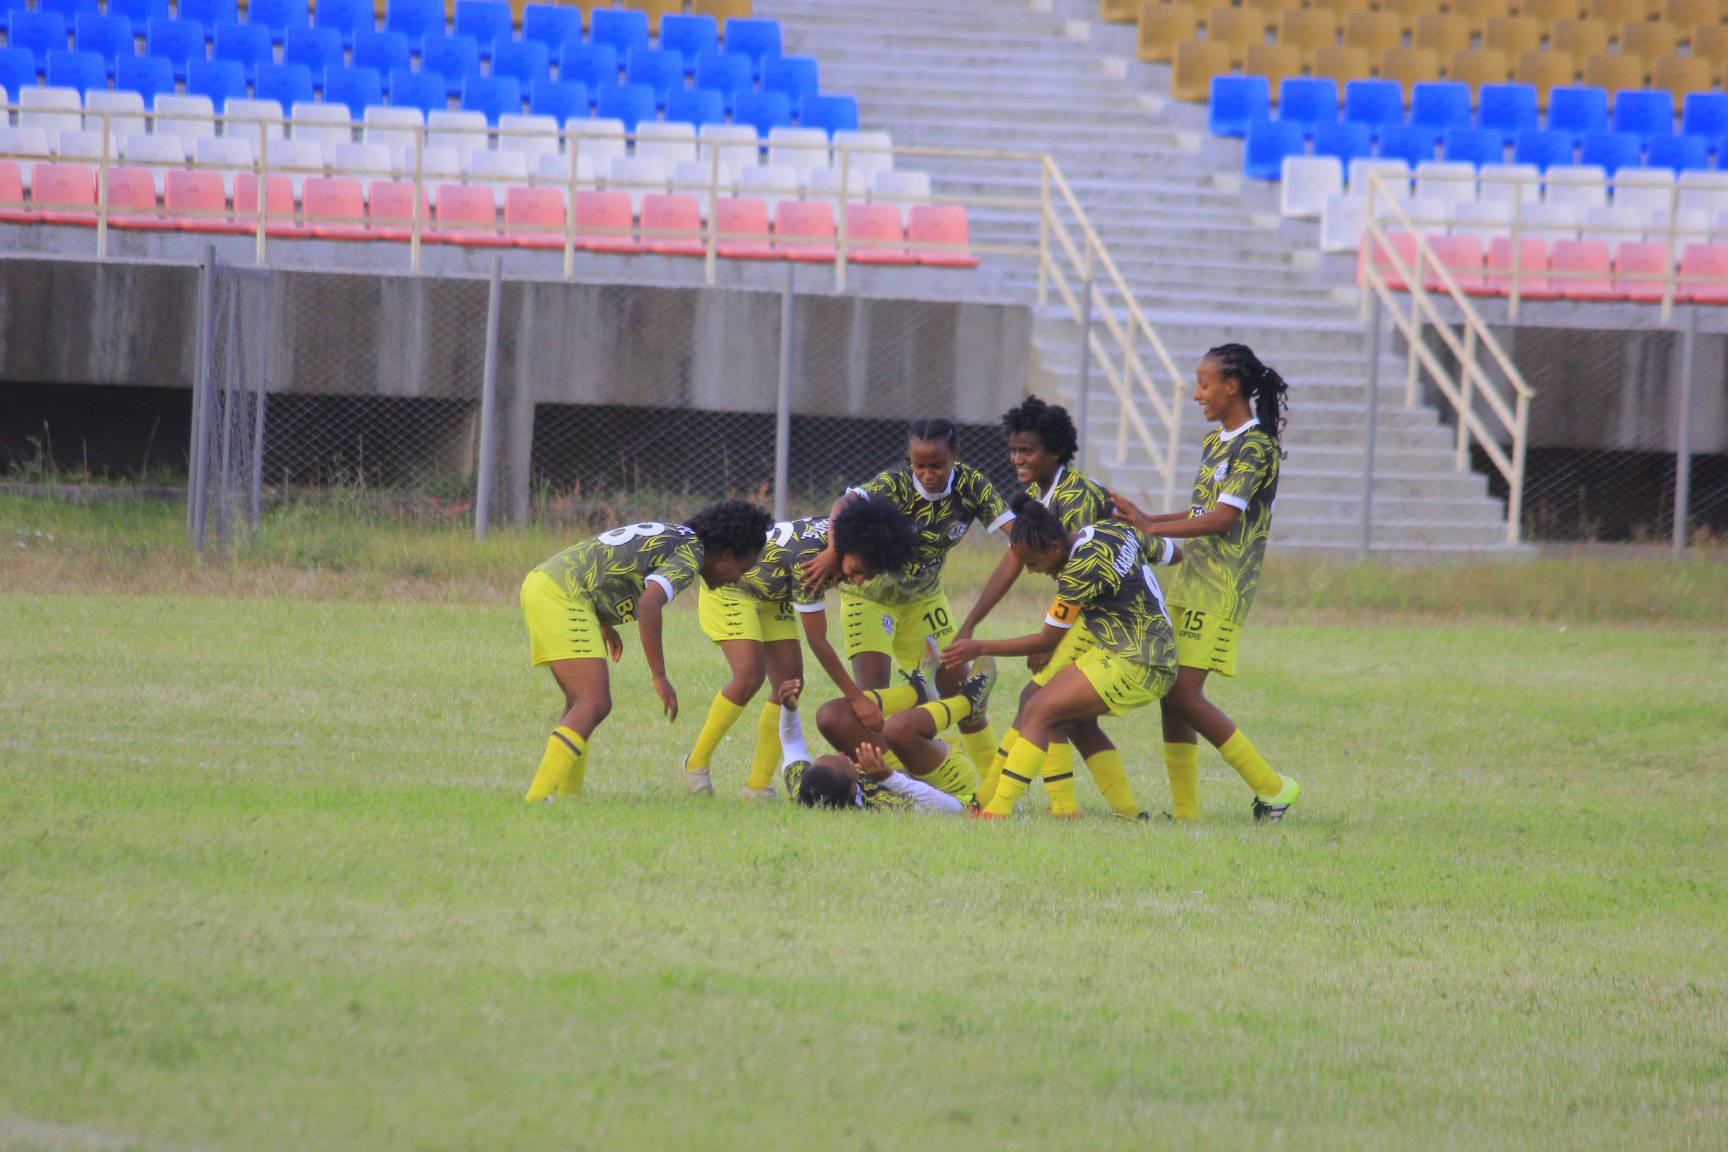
(1203, 256)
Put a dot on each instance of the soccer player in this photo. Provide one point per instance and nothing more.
(840, 782)
(1104, 579)
(755, 623)
(893, 619)
(574, 602)
(1226, 524)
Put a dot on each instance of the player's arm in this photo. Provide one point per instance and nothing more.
(823, 568)
(873, 766)
(650, 609)
(964, 651)
(1220, 520)
(1125, 509)
(815, 620)
(1007, 571)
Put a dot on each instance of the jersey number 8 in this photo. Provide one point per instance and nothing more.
(618, 537)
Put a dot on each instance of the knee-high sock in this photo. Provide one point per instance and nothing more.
(1182, 762)
(1239, 753)
(1112, 779)
(948, 711)
(767, 757)
(722, 714)
(1025, 762)
(561, 768)
(896, 699)
(955, 775)
(980, 746)
(987, 786)
(1059, 778)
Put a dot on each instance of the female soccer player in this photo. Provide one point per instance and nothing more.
(892, 619)
(1227, 521)
(867, 784)
(1103, 579)
(574, 602)
(753, 623)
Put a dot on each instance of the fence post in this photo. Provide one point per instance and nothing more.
(488, 405)
(1683, 436)
(1373, 420)
(199, 463)
(1083, 381)
(265, 329)
(783, 398)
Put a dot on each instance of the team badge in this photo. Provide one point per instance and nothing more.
(888, 624)
(1220, 472)
(955, 531)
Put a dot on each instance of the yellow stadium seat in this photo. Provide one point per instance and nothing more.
(1579, 39)
(1119, 11)
(1691, 13)
(1275, 62)
(1442, 32)
(1408, 10)
(1409, 66)
(1374, 31)
(1270, 9)
(1342, 7)
(1162, 26)
(1479, 66)
(1343, 64)
(1615, 71)
(1236, 29)
(1308, 29)
(1197, 61)
(722, 10)
(655, 9)
(1477, 12)
(1548, 11)
(1649, 40)
(1710, 41)
(1513, 35)
(1545, 71)
(1683, 74)
(1616, 12)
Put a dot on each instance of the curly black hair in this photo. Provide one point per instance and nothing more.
(876, 532)
(1035, 526)
(731, 528)
(1049, 422)
(825, 785)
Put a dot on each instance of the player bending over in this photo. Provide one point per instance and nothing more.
(755, 623)
(838, 782)
(575, 601)
(1103, 578)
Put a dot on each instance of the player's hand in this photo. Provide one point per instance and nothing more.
(820, 570)
(959, 652)
(871, 765)
(668, 698)
(1035, 662)
(868, 712)
(787, 694)
(614, 645)
(1126, 509)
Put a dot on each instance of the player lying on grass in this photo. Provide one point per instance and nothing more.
(911, 735)
(840, 782)
(1226, 524)
(892, 620)
(1104, 579)
(574, 602)
(755, 623)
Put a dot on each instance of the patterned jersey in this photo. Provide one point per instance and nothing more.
(942, 521)
(1075, 497)
(1108, 583)
(775, 577)
(611, 570)
(872, 797)
(1220, 573)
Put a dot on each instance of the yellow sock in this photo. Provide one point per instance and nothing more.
(1059, 778)
(1025, 762)
(722, 714)
(561, 769)
(767, 747)
(1112, 780)
(987, 787)
(1250, 765)
(955, 775)
(895, 699)
(980, 746)
(1182, 761)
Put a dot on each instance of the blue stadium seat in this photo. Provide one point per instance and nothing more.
(287, 84)
(385, 51)
(697, 106)
(1578, 109)
(1545, 147)
(1705, 114)
(1646, 111)
(453, 57)
(595, 65)
(1346, 140)
(1309, 101)
(280, 16)
(220, 80)
(1509, 107)
(757, 39)
(659, 69)
(110, 37)
(763, 111)
(1476, 146)
(359, 88)
(1681, 153)
(631, 103)
(621, 28)
(80, 70)
(17, 69)
(177, 41)
(1613, 150)
(1237, 101)
(554, 25)
(248, 45)
(317, 48)
(209, 13)
(494, 95)
(40, 32)
(560, 99)
(422, 90)
(1377, 103)
(1411, 143)
(149, 76)
(1440, 104)
(345, 16)
(69, 10)
(489, 22)
(140, 12)
(727, 75)
(525, 61)
(415, 19)
(691, 35)
(830, 113)
(797, 76)
(1269, 141)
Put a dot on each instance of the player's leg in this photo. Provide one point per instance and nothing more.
(911, 735)
(1005, 743)
(1067, 698)
(785, 659)
(587, 690)
(1181, 756)
(1105, 763)
(1273, 794)
(935, 619)
(748, 667)
(868, 629)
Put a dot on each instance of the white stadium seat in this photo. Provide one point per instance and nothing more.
(227, 156)
(1445, 181)
(1579, 185)
(1308, 181)
(637, 178)
(188, 117)
(1505, 183)
(671, 143)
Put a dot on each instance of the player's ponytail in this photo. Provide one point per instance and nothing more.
(1035, 526)
(935, 430)
(1263, 387)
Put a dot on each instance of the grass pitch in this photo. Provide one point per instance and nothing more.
(266, 882)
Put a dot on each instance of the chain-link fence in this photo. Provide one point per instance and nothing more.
(226, 457)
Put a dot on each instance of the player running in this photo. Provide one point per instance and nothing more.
(756, 623)
(1103, 579)
(574, 602)
(1227, 522)
(840, 782)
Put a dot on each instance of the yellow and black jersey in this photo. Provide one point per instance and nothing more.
(1075, 497)
(775, 576)
(1220, 573)
(1108, 583)
(871, 796)
(943, 519)
(610, 570)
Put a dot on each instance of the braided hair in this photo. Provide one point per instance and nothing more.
(1263, 387)
(1035, 526)
(935, 430)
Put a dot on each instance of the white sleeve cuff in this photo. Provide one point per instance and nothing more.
(1235, 502)
(1055, 623)
(1169, 552)
(927, 798)
(666, 585)
(997, 524)
(858, 492)
(809, 608)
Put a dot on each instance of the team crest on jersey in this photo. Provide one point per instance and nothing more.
(955, 531)
(888, 624)
(1220, 472)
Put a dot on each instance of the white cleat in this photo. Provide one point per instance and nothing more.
(697, 782)
(749, 793)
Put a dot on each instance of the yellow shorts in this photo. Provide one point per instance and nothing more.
(728, 614)
(1204, 639)
(560, 627)
(1123, 684)
(1076, 644)
(902, 631)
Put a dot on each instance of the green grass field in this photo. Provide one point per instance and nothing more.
(266, 882)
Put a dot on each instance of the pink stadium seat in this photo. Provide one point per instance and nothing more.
(604, 222)
(1588, 264)
(1400, 244)
(805, 230)
(876, 235)
(1532, 268)
(534, 217)
(334, 209)
(672, 225)
(64, 193)
(1640, 267)
(1708, 261)
(467, 214)
(278, 205)
(132, 199)
(1462, 256)
(938, 234)
(390, 211)
(196, 202)
(740, 222)
(13, 210)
